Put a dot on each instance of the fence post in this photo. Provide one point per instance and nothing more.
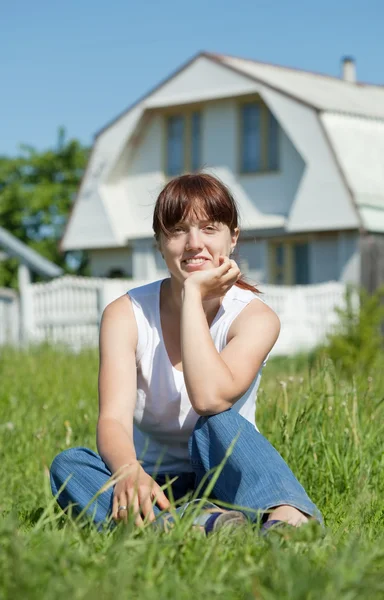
(26, 304)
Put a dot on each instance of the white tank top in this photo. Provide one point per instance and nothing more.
(164, 418)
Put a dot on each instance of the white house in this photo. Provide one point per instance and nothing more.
(302, 152)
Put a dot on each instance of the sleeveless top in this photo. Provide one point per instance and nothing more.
(164, 418)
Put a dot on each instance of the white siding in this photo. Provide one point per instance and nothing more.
(275, 192)
(103, 261)
(349, 258)
(259, 194)
(201, 80)
(92, 222)
(324, 259)
(251, 256)
(335, 258)
(322, 201)
(136, 181)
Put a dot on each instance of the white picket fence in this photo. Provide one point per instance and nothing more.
(68, 309)
(9, 317)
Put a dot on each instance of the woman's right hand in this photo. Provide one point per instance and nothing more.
(137, 490)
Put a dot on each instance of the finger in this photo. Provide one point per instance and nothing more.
(161, 498)
(224, 266)
(136, 510)
(147, 508)
(122, 514)
(232, 274)
(114, 508)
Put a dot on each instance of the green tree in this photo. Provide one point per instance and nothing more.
(37, 189)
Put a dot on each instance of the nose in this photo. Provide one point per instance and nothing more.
(194, 239)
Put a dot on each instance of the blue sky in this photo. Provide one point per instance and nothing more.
(79, 63)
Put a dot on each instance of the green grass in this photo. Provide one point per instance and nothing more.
(328, 428)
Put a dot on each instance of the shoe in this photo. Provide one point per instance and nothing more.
(217, 520)
(210, 518)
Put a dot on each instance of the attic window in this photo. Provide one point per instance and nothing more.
(183, 143)
(259, 146)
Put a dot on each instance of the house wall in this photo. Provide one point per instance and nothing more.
(252, 258)
(142, 261)
(335, 257)
(332, 257)
(102, 262)
(269, 193)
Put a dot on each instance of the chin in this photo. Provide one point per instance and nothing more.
(188, 269)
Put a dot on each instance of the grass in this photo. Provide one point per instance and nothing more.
(327, 426)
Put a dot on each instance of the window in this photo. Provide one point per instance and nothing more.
(301, 263)
(259, 151)
(183, 143)
(289, 263)
(175, 145)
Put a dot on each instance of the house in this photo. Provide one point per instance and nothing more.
(302, 152)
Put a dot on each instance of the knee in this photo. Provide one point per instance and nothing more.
(224, 426)
(65, 463)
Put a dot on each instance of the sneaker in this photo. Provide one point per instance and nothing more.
(209, 519)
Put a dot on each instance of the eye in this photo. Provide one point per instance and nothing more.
(177, 229)
(210, 228)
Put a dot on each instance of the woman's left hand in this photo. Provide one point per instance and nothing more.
(214, 283)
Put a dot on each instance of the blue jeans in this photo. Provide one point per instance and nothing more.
(254, 475)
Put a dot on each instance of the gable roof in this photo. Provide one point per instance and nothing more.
(28, 256)
(322, 92)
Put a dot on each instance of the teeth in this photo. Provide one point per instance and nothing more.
(195, 261)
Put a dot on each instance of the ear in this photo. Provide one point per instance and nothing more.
(234, 237)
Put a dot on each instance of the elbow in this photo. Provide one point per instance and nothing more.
(206, 407)
(204, 412)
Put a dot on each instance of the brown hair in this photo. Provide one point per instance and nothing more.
(196, 194)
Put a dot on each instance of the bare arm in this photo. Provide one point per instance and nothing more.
(214, 380)
(117, 384)
(117, 399)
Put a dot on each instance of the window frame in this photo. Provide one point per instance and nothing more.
(288, 267)
(187, 114)
(264, 138)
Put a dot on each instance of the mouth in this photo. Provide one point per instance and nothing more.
(194, 261)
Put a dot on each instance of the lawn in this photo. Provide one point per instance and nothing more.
(327, 425)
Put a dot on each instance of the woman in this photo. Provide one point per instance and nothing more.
(180, 364)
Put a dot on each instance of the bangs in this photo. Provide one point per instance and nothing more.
(194, 196)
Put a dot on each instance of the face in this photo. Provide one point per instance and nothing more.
(196, 244)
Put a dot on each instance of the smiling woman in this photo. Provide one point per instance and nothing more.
(180, 365)
(201, 202)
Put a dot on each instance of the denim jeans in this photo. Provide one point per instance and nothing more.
(254, 475)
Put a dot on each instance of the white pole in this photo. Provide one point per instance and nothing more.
(26, 304)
